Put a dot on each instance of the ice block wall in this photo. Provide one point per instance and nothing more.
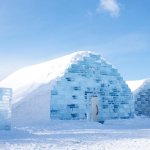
(91, 77)
(5, 108)
(142, 102)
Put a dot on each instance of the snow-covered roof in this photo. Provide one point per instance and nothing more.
(31, 86)
(28, 79)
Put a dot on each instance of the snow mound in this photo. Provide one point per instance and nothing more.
(28, 79)
(31, 86)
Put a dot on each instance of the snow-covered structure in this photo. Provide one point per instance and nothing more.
(5, 108)
(81, 85)
(142, 99)
(91, 89)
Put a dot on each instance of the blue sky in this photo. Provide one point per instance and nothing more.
(32, 31)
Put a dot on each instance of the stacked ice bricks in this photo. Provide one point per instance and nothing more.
(5, 108)
(71, 95)
(142, 102)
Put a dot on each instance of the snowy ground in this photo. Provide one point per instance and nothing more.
(133, 134)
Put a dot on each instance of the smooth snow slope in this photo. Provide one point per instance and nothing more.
(26, 80)
(31, 88)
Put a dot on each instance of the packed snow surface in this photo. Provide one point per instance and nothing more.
(128, 134)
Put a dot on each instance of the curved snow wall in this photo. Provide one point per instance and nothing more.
(5, 108)
(72, 96)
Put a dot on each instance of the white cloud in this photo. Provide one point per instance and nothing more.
(110, 6)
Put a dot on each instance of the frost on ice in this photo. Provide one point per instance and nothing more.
(5, 108)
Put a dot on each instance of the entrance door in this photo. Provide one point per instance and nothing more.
(95, 108)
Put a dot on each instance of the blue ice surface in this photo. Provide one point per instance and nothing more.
(5, 108)
(91, 77)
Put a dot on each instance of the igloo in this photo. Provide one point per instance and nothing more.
(90, 89)
(142, 99)
(81, 85)
(5, 108)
